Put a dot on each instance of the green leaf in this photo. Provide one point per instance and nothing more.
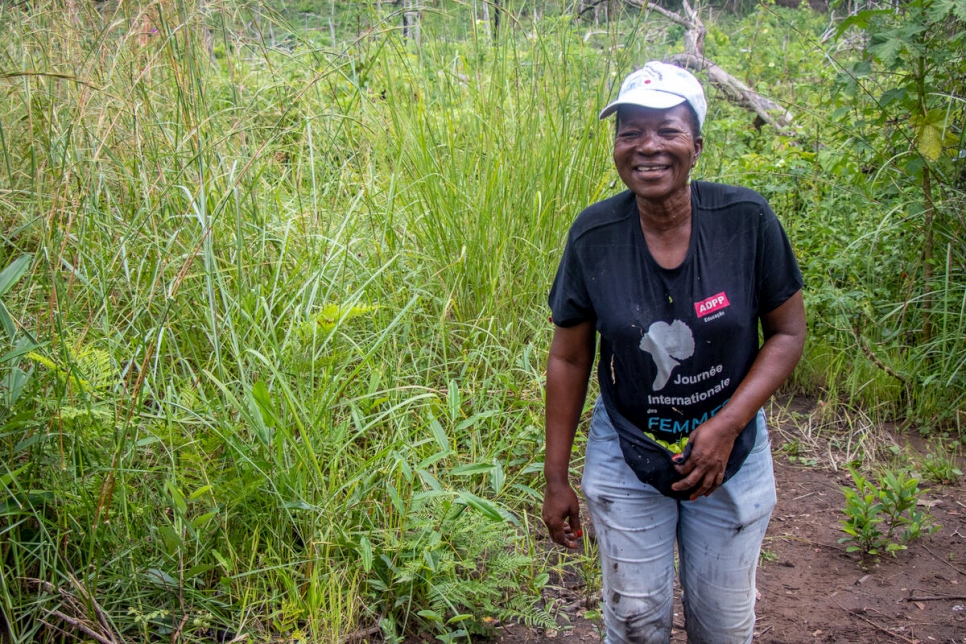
(156, 575)
(892, 96)
(198, 570)
(13, 272)
(860, 20)
(428, 480)
(202, 520)
(482, 506)
(6, 321)
(365, 553)
(471, 469)
(176, 497)
(8, 478)
(431, 459)
(264, 401)
(397, 501)
(929, 141)
(886, 51)
(430, 615)
(14, 382)
(197, 493)
(497, 478)
(475, 418)
(937, 10)
(453, 400)
(439, 434)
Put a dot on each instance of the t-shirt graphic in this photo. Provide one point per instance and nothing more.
(667, 343)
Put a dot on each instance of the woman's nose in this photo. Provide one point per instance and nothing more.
(648, 142)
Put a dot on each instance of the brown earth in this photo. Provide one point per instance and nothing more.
(811, 589)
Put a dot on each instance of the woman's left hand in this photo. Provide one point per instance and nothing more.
(704, 470)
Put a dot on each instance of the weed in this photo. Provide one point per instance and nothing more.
(795, 452)
(941, 466)
(883, 517)
(767, 556)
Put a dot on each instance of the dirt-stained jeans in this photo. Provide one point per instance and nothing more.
(719, 538)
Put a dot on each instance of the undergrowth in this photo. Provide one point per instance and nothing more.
(273, 311)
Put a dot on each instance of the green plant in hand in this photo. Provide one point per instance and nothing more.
(675, 448)
(883, 518)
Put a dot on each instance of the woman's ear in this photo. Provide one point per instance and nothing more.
(698, 148)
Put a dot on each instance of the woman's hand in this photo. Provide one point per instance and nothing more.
(712, 442)
(561, 514)
(704, 470)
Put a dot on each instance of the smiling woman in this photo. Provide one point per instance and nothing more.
(676, 277)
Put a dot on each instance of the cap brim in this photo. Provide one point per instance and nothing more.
(654, 99)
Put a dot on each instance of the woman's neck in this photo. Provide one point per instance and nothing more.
(667, 215)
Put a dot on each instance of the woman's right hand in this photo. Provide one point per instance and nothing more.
(561, 514)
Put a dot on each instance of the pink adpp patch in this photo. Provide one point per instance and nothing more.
(711, 304)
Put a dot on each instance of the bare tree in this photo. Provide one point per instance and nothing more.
(410, 18)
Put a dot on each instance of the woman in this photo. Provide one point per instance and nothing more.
(675, 276)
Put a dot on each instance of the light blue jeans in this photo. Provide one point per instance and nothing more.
(719, 538)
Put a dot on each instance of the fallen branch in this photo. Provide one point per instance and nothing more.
(874, 625)
(736, 91)
(80, 626)
(935, 598)
(874, 359)
(361, 634)
(943, 560)
(589, 6)
(693, 58)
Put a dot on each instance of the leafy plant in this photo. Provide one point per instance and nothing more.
(883, 517)
(940, 466)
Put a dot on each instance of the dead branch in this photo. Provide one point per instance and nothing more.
(737, 92)
(693, 58)
(588, 5)
(874, 625)
(874, 359)
(80, 626)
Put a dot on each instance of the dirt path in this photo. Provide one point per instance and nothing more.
(811, 589)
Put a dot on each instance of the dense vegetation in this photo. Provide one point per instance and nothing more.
(272, 300)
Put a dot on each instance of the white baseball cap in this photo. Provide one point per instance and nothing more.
(660, 86)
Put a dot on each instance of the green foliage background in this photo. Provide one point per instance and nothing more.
(273, 319)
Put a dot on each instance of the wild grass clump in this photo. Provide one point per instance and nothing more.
(273, 316)
(253, 387)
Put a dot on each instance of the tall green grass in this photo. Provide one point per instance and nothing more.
(275, 359)
(270, 379)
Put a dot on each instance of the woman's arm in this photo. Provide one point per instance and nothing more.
(712, 442)
(568, 370)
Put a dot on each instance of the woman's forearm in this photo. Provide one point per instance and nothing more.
(568, 371)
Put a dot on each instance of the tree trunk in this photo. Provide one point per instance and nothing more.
(410, 18)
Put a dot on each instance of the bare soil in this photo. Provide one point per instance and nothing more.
(810, 589)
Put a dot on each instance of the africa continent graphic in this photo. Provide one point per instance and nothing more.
(667, 343)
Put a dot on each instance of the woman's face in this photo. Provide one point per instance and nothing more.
(654, 150)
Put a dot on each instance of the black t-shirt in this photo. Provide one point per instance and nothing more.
(675, 343)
